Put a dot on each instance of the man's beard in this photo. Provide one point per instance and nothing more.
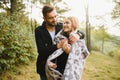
(51, 25)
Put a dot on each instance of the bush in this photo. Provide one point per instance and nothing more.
(111, 53)
(16, 44)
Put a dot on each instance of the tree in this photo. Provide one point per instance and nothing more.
(101, 36)
(16, 42)
(88, 37)
(57, 4)
(116, 13)
(12, 6)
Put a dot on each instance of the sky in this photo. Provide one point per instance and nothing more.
(97, 8)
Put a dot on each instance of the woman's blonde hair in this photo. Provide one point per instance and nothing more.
(74, 21)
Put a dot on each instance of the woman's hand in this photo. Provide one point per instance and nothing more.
(66, 46)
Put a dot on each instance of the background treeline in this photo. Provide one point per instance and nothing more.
(16, 38)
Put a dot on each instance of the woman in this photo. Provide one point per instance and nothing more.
(77, 53)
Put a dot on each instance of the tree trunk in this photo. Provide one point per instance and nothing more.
(88, 28)
(103, 45)
(13, 6)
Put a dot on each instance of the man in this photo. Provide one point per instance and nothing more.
(44, 36)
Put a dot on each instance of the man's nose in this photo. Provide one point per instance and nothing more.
(54, 19)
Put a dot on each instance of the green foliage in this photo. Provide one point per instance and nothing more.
(115, 53)
(102, 41)
(60, 5)
(16, 43)
(99, 37)
(111, 53)
(116, 11)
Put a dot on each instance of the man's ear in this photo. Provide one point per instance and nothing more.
(44, 18)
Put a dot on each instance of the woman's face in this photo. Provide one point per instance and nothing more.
(67, 25)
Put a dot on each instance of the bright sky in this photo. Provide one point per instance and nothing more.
(96, 8)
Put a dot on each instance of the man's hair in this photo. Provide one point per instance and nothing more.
(47, 9)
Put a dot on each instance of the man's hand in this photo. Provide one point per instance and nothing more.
(61, 43)
(64, 45)
(52, 65)
(73, 38)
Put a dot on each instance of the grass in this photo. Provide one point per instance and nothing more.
(101, 67)
(97, 67)
(22, 72)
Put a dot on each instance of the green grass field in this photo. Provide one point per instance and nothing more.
(97, 67)
(101, 67)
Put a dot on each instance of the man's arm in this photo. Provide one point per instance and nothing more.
(75, 36)
(81, 34)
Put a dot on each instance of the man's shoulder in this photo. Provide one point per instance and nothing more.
(38, 27)
(81, 34)
(59, 24)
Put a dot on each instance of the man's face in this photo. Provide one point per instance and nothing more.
(51, 18)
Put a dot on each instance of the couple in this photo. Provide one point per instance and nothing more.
(45, 36)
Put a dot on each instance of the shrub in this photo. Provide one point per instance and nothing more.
(16, 44)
